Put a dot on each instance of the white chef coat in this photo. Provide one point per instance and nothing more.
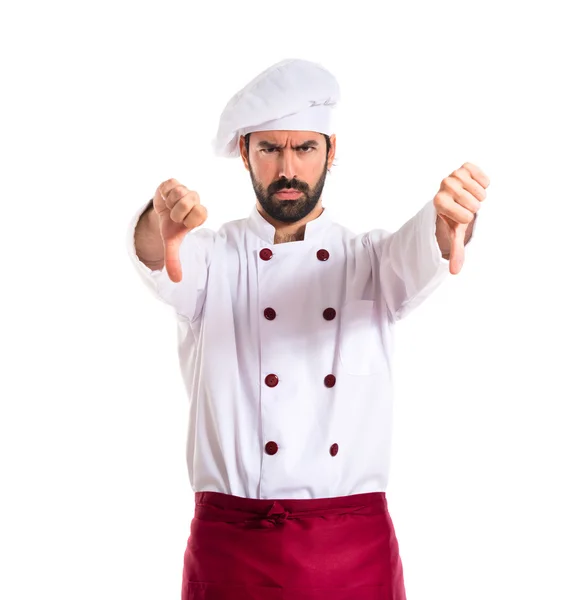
(300, 434)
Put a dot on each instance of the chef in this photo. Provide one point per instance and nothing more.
(286, 324)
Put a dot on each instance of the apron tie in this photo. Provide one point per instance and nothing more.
(277, 514)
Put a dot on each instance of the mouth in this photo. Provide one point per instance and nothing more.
(288, 194)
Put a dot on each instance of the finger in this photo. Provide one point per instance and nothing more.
(165, 187)
(477, 174)
(183, 206)
(159, 199)
(196, 217)
(467, 182)
(461, 195)
(446, 205)
(172, 262)
(174, 194)
(168, 184)
(457, 248)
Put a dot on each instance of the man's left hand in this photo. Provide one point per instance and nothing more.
(457, 203)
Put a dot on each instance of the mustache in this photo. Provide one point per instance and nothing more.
(287, 184)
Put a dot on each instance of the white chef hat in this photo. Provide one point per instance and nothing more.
(293, 94)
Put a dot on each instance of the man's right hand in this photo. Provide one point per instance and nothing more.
(179, 211)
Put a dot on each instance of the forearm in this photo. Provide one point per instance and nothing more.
(148, 241)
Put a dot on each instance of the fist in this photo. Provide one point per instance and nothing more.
(179, 210)
(457, 202)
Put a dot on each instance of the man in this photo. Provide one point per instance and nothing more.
(285, 341)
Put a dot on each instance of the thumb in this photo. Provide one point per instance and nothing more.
(171, 253)
(457, 238)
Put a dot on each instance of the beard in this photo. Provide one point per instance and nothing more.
(289, 211)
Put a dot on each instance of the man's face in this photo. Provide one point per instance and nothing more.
(288, 170)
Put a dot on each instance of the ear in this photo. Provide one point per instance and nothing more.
(243, 149)
(332, 151)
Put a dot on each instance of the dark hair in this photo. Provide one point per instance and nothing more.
(326, 137)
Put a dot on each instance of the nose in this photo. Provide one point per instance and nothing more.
(287, 164)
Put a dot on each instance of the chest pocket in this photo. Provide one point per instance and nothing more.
(360, 348)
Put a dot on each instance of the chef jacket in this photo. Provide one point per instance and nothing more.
(286, 349)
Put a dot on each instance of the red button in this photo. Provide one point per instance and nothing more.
(329, 381)
(270, 314)
(271, 380)
(266, 254)
(329, 314)
(323, 255)
(333, 450)
(271, 448)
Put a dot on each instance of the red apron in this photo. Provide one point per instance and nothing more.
(342, 548)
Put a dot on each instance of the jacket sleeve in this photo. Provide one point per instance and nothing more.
(409, 261)
(187, 296)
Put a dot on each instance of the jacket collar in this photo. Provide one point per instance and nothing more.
(263, 229)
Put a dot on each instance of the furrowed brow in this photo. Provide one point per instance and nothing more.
(267, 145)
(311, 143)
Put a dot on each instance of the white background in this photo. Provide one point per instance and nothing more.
(102, 101)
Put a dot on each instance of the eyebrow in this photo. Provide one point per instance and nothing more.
(267, 145)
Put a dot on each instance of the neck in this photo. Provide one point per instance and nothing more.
(290, 232)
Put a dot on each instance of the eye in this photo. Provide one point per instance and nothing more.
(268, 150)
(305, 149)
